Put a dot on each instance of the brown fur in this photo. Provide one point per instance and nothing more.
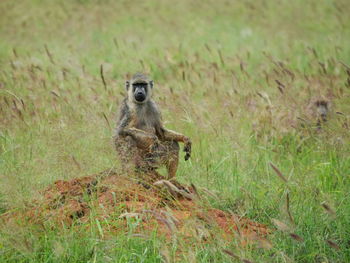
(141, 140)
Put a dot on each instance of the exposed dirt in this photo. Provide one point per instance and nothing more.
(153, 204)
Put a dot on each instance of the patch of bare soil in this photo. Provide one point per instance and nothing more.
(168, 207)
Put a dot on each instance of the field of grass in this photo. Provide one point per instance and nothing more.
(238, 77)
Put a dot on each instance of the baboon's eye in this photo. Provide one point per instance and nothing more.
(139, 85)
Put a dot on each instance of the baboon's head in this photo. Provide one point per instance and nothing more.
(322, 109)
(139, 88)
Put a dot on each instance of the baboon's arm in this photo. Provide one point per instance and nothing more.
(138, 134)
(143, 139)
(170, 135)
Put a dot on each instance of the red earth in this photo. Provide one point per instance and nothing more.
(167, 207)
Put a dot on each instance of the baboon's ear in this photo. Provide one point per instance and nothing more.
(127, 84)
(151, 83)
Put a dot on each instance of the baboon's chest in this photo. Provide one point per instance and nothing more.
(146, 118)
(145, 123)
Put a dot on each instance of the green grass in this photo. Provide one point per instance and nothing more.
(214, 64)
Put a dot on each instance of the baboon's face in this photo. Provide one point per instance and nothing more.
(140, 92)
(322, 108)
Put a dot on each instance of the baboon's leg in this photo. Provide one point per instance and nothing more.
(172, 158)
(166, 153)
(172, 167)
(145, 168)
(128, 153)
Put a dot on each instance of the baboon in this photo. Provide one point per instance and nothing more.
(141, 140)
(322, 110)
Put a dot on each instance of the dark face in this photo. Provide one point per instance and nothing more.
(322, 109)
(140, 91)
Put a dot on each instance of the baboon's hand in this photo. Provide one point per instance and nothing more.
(187, 148)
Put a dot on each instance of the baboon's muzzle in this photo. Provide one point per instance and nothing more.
(140, 96)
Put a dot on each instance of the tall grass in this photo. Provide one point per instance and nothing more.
(238, 77)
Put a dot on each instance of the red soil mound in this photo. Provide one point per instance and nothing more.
(166, 206)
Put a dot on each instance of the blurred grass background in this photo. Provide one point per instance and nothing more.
(238, 77)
